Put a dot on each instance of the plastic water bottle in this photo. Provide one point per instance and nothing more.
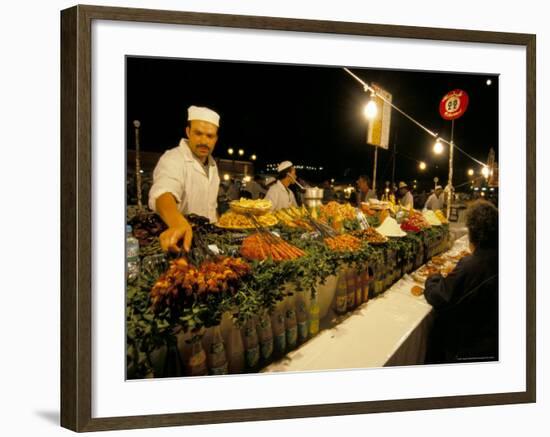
(132, 255)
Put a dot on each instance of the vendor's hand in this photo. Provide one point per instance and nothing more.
(173, 238)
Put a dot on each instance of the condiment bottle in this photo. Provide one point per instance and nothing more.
(279, 332)
(291, 328)
(341, 299)
(251, 346)
(302, 319)
(217, 359)
(350, 287)
(266, 337)
(365, 285)
(358, 289)
(196, 363)
(313, 315)
(235, 351)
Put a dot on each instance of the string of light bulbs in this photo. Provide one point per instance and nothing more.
(368, 88)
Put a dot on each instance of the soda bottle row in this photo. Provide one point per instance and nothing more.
(352, 290)
(261, 339)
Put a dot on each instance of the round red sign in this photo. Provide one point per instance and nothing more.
(453, 105)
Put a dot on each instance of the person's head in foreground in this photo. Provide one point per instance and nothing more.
(482, 224)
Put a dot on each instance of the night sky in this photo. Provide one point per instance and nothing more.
(312, 115)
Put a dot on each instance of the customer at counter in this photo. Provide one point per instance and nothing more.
(466, 301)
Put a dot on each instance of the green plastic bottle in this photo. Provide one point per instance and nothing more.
(314, 315)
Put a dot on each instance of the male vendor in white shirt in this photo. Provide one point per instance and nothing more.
(186, 179)
(436, 200)
(279, 193)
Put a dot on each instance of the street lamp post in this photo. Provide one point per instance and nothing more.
(450, 184)
(137, 125)
(370, 113)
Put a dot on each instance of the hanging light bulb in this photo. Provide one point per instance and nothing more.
(470, 172)
(485, 172)
(438, 147)
(422, 166)
(371, 110)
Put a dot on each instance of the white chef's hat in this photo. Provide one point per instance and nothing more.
(283, 166)
(204, 114)
(438, 187)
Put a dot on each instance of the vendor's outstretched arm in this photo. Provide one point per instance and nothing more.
(178, 227)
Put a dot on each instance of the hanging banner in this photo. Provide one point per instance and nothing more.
(454, 104)
(378, 132)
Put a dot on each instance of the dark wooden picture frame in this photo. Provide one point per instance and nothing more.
(76, 217)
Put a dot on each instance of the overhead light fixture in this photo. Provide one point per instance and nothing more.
(371, 110)
(438, 147)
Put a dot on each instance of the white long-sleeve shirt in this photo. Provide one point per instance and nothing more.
(193, 185)
(434, 203)
(407, 200)
(280, 196)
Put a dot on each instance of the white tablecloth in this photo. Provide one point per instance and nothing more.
(390, 330)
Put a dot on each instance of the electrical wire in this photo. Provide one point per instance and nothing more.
(370, 89)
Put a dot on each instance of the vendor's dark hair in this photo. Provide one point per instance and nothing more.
(482, 224)
(282, 174)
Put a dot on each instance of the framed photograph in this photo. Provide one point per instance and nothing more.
(268, 218)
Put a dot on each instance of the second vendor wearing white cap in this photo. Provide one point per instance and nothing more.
(436, 200)
(186, 179)
(279, 194)
(406, 198)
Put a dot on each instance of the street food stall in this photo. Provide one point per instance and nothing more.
(305, 288)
